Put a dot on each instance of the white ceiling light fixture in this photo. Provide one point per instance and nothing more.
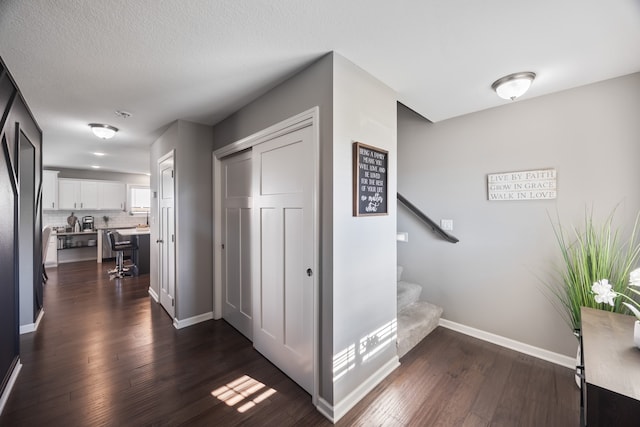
(514, 85)
(103, 131)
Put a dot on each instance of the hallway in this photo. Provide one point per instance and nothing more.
(106, 355)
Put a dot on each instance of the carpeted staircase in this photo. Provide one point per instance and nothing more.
(416, 319)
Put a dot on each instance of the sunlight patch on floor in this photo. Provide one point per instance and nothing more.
(245, 391)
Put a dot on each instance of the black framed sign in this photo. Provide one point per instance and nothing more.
(369, 180)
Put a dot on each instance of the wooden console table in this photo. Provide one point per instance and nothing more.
(611, 369)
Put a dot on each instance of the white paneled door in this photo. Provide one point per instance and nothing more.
(284, 253)
(166, 241)
(236, 242)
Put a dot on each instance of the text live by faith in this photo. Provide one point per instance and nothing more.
(523, 185)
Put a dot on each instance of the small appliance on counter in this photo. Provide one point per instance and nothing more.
(72, 220)
(87, 223)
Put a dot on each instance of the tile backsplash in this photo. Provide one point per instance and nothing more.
(117, 219)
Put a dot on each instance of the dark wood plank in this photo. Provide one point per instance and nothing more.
(106, 354)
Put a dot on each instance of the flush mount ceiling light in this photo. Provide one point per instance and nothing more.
(103, 131)
(514, 85)
(123, 114)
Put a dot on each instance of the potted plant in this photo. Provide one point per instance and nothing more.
(589, 256)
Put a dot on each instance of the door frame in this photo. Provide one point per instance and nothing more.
(171, 154)
(34, 258)
(307, 118)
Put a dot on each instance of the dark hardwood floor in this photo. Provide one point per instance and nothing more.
(106, 354)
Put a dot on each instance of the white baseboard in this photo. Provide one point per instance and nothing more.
(32, 327)
(335, 412)
(540, 353)
(7, 390)
(153, 294)
(326, 409)
(179, 324)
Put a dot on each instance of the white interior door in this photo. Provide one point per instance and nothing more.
(283, 251)
(166, 241)
(236, 242)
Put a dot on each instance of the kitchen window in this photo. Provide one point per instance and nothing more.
(139, 199)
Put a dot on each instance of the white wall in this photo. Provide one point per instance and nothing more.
(364, 248)
(493, 278)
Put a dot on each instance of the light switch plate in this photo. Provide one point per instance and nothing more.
(446, 224)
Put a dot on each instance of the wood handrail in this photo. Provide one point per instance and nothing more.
(434, 227)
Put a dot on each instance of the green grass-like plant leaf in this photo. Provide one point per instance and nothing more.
(592, 254)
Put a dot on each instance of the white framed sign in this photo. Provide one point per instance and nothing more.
(538, 184)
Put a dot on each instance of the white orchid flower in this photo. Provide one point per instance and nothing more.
(634, 277)
(603, 292)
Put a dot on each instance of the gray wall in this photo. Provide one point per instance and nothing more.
(26, 233)
(307, 89)
(127, 178)
(493, 279)
(194, 212)
(354, 301)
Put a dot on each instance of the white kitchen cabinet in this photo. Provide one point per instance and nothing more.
(88, 194)
(77, 194)
(68, 193)
(111, 195)
(49, 190)
(84, 194)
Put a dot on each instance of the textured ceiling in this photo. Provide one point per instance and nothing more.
(77, 61)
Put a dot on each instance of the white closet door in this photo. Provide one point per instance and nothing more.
(283, 253)
(236, 242)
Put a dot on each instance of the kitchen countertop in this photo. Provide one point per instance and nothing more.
(75, 233)
(124, 231)
(114, 228)
(132, 231)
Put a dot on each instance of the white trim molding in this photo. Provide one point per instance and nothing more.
(12, 380)
(179, 324)
(32, 327)
(335, 412)
(299, 121)
(540, 353)
(153, 295)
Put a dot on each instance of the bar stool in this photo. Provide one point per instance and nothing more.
(119, 247)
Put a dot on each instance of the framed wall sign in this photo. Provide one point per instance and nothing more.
(369, 180)
(537, 184)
